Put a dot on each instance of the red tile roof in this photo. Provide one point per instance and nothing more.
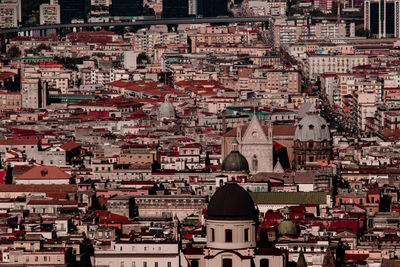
(71, 145)
(6, 75)
(44, 172)
(356, 257)
(38, 188)
(22, 142)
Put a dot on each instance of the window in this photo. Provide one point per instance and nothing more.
(194, 263)
(45, 258)
(226, 262)
(264, 263)
(246, 235)
(169, 264)
(228, 235)
(144, 264)
(255, 163)
(134, 264)
(122, 264)
(156, 264)
(212, 235)
(36, 258)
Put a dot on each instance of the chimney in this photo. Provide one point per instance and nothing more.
(44, 172)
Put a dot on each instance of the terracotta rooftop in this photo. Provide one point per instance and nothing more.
(44, 172)
(38, 188)
(22, 142)
(71, 145)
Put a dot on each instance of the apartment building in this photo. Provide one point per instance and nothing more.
(100, 7)
(8, 15)
(10, 100)
(328, 29)
(366, 108)
(324, 6)
(316, 64)
(272, 81)
(51, 73)
(266, 8)
(33, 93)
(284, 30)
(146, 253)
(50, 14)
(144, 41)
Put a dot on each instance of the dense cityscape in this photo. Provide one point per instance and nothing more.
(200, 133)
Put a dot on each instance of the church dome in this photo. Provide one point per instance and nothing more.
(231, 202)
(312, 128)
(287, 228)
(166, 110)
(235, 162)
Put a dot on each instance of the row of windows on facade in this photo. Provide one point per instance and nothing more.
(145, 264)
(228, 235)
(45, 258)
(147, 201)
(227, 262)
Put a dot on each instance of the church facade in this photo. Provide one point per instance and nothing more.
(255, 144)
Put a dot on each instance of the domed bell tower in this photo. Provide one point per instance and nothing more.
(231, 222)
(235, 165)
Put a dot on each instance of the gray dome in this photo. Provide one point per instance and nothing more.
(312, 128)
(166, 110)
(231, 202)
(235, 162)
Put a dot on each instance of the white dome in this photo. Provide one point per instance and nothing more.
(166, 110)
(312, 128)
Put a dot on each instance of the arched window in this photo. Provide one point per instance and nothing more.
(255, 163)
(264, 263)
